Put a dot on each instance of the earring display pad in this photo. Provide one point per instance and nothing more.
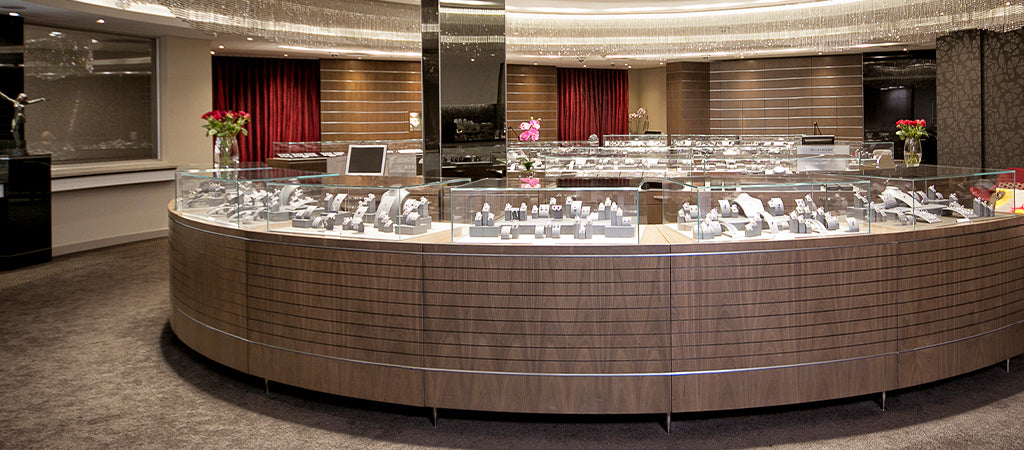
(242, 197)
(549, 220)
(365, 212)
(770, 213)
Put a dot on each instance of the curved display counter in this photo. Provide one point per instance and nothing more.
(648, 327)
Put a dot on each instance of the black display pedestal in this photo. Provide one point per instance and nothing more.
(25, 234)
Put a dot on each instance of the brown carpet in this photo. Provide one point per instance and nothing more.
(87, 360)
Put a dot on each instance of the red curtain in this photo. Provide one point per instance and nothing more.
(283, 96)
(592, 101)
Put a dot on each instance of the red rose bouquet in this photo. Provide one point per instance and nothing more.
(226, 123)
(911, 129)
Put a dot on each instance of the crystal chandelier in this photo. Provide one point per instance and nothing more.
(815, 26)
(826, 26)
(366, 25)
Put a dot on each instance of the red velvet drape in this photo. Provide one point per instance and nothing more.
(283, 96)
(592, 101)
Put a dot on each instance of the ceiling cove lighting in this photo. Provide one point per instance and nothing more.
(737, 27)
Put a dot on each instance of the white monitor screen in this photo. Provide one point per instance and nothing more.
(366, 159)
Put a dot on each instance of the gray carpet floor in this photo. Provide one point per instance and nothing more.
(87, 360)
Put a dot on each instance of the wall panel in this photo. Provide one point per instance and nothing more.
(688, 101)
(958, 98)
(745, 95)
(1004, 94)
(366, 100)
(532, 91)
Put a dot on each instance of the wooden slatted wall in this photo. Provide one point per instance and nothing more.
(532, 91)
(688, 97)
(787, 95)
(368, 100)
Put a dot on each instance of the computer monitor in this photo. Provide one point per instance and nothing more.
(818, 139)
(366, 159)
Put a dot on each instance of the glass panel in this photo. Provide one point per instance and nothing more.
(377, 208)
(636, 140)
(500, 211)
(928, 196)
(716, 209)
(233, 197)
(100, 93)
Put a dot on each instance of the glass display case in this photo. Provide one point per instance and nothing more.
(708, 140)
(499, 211)
(929, 196)
(722, 161)
(736, 208)
(518, 151)
(636, 140)
(233, 197)
(876, 154)
(328, 149)
(615, 162)
(381, 208)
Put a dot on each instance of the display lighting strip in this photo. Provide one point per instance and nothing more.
(722, 30)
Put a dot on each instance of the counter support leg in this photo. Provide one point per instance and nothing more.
(668, 423)
(882, 403)
(266, 385)
(433, 417)
(1007, 365)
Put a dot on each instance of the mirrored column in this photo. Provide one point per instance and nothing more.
(463, 78)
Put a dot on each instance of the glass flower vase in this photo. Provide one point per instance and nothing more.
(225, 152)
(912, 152)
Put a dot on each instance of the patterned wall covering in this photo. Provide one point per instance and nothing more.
(980, 87)
(1004, 99)
(959, 99)
(688, 97)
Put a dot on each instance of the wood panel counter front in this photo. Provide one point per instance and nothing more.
(648, 328)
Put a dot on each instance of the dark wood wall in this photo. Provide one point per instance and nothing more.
(767, 96)
(787, 95)
(372, 99)
(533, 92)
(368, 100)
(688, 97)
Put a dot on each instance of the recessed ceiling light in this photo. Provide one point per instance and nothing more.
(220, 46)
(213, 52)
(248, 38)
(285, 55)
(13, 14)
(101, 21)
(535, 64)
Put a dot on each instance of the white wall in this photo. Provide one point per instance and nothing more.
(96, 205)
(647, 88)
